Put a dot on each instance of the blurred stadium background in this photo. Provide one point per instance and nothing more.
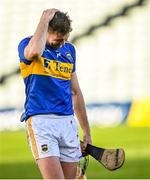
(112, 39)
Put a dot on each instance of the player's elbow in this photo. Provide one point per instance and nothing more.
(32, 54)
(76, 92)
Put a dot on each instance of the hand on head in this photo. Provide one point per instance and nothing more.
(48, 14)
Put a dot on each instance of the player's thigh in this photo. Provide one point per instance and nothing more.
(69, 169)
(50, 168)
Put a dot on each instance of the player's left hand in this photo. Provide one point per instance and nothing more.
(87, 139)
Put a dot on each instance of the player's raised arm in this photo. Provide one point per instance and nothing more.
(79, 108)
(37, 43)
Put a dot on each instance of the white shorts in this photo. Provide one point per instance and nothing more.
(53, 135)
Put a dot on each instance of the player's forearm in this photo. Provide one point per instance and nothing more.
(80, 111)
(37, 43)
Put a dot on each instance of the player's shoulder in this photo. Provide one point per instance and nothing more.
(70, 46)
(24, 41)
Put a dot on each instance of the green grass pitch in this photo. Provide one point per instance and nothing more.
(16, 161)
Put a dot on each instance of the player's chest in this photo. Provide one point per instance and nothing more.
(57, 64)
(58, 55)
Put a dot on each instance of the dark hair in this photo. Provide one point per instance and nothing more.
(60, 23)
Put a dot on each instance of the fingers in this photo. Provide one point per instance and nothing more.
(87, 140)
(48, 14)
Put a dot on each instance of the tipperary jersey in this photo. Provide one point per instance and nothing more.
(48, 80)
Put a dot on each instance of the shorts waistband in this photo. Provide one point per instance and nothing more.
(53, 116)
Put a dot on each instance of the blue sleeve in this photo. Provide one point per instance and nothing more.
(21, 48)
